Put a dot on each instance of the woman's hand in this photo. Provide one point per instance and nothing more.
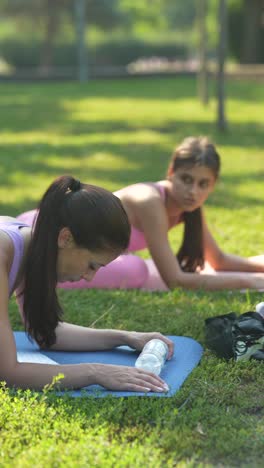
(130, 379)
(138, 340)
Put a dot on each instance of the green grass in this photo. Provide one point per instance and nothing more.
(113, 133)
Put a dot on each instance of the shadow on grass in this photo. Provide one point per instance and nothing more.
(156, 88)
(27, 161)
(36, 159)
(39, 108)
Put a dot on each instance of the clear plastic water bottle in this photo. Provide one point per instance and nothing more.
(153, 356)
(260, 309)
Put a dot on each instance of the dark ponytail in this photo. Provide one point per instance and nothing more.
(191, 252)
(97, 221)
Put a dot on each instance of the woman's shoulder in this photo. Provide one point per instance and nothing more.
(142, 191)
(6, 251)
(11, 231)
(7, 219)
(5, 222)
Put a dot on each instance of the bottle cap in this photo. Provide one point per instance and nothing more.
(260, 309)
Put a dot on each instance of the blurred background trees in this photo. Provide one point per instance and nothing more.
(246, 30)
(41, 34)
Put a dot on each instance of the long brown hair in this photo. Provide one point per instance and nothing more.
(193, 152)
(97, 221)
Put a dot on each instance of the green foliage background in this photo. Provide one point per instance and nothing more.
(117, 31)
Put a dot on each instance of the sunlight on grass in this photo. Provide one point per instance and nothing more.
(136, 111)
(244, 111)
(93, 161)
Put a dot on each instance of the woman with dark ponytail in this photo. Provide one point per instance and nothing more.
(79, 229)
(153, 208)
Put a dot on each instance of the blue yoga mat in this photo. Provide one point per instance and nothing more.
(187, 355)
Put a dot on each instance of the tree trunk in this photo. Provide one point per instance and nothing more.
(203, 72)
(80, 14)
(222, 45)
(253, 17)
(51, 18)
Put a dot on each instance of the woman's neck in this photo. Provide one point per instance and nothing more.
(171, 205)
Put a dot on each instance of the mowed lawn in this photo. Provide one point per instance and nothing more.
(113, 133)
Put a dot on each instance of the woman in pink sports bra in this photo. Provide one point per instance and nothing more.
(79, 229)
(153, 209)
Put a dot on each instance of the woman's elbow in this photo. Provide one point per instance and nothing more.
(185, 281)
(174, 283)
(9, 376)
(218, 263)
(170, 285)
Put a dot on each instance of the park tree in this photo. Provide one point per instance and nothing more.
(166, 13)
(180, 15)
(252, 50)
(202, 78)
(48, 16)
(80, 21)
(222, 47)
(246, 30)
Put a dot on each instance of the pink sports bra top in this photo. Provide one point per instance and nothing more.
(12, 228)
(137, 238)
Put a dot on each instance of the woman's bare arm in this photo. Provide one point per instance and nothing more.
(222, 261)
(71, 337)
(36, 376)
(154, 223)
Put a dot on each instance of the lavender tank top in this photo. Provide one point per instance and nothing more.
(12, 229)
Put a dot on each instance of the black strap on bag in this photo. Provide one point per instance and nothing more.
(239, 337)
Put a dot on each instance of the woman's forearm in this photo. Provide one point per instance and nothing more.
(36, 376)
(230, 262)
(70, 337)
(74, 376)
(222, 280)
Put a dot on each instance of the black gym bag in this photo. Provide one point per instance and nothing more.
(239, 337)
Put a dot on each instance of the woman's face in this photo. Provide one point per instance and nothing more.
(75, 263)
(191, 186)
